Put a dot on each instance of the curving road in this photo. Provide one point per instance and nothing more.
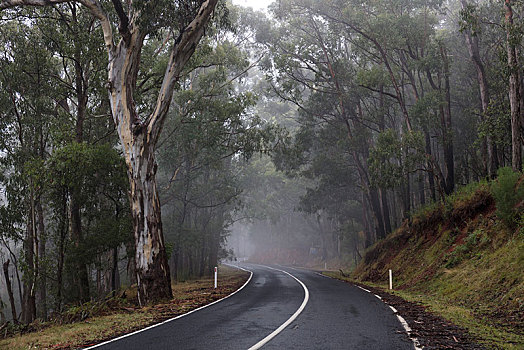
(337, 316)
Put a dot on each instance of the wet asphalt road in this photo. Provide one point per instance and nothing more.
(337, 316)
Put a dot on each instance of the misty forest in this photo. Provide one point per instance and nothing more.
(143, 142)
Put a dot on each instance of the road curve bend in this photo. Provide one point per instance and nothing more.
(280, 308)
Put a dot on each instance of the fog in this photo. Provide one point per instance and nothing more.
(283, 226)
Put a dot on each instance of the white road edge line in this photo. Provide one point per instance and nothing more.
(364, 289)
(401, 319)
(179, 316)
(291, 319)
(392, 308)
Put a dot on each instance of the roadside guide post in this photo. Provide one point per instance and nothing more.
(390, 279)
(216, 273)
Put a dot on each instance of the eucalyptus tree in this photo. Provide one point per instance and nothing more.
(312, 73)
(515, 85)
(213, 128)
(183, 23)
(470, 26)
(26, 68)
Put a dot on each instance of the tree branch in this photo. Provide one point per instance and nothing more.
(184, 47)
(98, 12)
(4, 4)
(93, 5)
(123, 28)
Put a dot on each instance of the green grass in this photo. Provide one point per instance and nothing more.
(462, 260)
(482, 329)
(491, 335)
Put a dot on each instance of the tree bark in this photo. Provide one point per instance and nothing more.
(151, 266)
(139, 138)
(385, 211)
(115, 275)
(431, 174)
(472, 43)
(41, 296)
(447, 131)
(369, 239)
(61, 254)
(28, 295)
(81, 276)
(10, 291)
(514, 94)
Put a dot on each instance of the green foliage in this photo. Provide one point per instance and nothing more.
(469, 20)
(472, 247)
(508, 195)
(463, 194)
(393, 157)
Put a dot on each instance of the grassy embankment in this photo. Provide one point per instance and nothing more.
(463, 259)
(106, 320)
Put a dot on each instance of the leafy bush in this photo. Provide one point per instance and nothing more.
(463, 194)
(507, 196)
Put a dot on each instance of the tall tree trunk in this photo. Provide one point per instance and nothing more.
(472, 43)
(131, 265)
(385, 210)
(152, 269)
(81, 274)
(406, 198)
(176, 263)
(28, 295)
(514, 94)
(61, 254)
(431, 173)
(421, 189)
(139, 137)
(375, 206)
(368, 232)
(10, 291)
(115, 274)
(41, 293)
(447, 131)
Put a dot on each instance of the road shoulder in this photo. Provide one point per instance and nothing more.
(124, 318)
(430, 330)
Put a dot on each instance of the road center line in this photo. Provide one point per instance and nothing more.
(179, 316)
(289, 320)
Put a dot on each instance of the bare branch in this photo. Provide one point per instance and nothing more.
(98, 12)
(4, 4)
(184, 47)
(123, 28)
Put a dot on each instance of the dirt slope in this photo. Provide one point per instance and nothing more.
(460, 259)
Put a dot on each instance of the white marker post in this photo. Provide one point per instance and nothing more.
(390, 279)
(325, 266)
(216, 275)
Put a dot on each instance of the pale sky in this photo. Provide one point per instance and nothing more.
(256, 4)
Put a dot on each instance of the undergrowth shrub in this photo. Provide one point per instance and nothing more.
(507, 196)
(471, 247)
(463, 194)
(77, 313)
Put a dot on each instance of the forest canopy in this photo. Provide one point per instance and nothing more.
(143, 142)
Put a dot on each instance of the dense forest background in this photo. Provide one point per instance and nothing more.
(301, 136)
